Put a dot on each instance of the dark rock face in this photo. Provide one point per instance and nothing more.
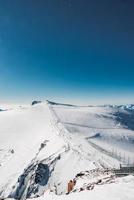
(42, 174)
(35, 102)
(62, 104)
(41, 178)
(2, 110)
(126, 118)
(29, 182)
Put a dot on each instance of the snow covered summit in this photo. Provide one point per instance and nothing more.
(43, 146)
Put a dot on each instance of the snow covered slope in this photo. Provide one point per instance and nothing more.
(45, 145)
(107, 129)
(22, 134)
(121, 189)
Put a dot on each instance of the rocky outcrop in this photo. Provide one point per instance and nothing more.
(35, 102)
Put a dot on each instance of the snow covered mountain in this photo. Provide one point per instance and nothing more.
(44, 145)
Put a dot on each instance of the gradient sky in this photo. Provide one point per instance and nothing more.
(67, 50)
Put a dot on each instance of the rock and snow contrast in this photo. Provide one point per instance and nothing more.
(45, 145)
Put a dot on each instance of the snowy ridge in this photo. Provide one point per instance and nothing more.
(43, 146)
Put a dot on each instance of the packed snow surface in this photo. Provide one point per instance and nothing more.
(44, 145)
(122, 189)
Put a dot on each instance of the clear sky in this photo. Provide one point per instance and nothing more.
(67, 50)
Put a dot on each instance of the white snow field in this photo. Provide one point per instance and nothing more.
(43, 146)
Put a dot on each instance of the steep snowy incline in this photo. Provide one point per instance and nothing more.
(22, 132)
(34, 145)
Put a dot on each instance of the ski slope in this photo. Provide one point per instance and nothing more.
(45, 145)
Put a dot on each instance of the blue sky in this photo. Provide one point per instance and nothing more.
(67, 50)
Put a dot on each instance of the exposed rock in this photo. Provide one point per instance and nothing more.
(42, 174)
(89, 179)
(35, 102)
